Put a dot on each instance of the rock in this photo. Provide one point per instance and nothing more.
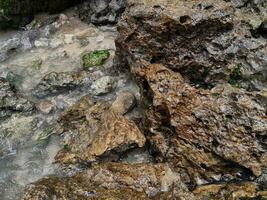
(95, 58)
(112, 181)
(124, 102)
(91, 130)
(209, 131)
(54, 83)
(204, 42)
(45, 106)
(246, 190)
(202, 84)
(11, 102)
(101, 12)
(103, 85)
(15, 131)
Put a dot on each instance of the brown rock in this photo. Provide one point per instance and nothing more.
(233, 191)
(201, 134)
(92, 129)
(111, 181)
(124, 103)
(178, 51)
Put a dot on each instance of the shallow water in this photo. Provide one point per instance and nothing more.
(23, 158)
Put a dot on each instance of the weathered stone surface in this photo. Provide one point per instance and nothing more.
(112, 181)
(103, 85)
(201, 132)
(11, 102)
(101, 12)
(205, 41)
(191, 60)
(92, 130)
(54, 83)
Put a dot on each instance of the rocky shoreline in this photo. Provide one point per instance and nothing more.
(169, 101)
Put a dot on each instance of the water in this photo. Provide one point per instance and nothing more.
(23, 158)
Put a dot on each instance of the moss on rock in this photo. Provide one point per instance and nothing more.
(95, 58)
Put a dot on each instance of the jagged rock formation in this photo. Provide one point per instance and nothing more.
(202, 73)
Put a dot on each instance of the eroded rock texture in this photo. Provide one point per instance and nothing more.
(113, 181)
(202, 72)
(208, 42)
(91, 130)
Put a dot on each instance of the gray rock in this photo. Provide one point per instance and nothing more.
(11, 102)
(124, 103)
(101, 11)
(103, 85)
(54, 83)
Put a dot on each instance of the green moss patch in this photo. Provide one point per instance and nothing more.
(95, 58)
(235, 75)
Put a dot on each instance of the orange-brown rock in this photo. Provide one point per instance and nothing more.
(91, 130)
(205, 136)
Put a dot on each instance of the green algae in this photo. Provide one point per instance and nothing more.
(95, 58)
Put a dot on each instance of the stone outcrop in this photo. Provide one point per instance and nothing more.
(202, 73)
(207, 42)
(91, 130)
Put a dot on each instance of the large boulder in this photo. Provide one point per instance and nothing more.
(202, 70)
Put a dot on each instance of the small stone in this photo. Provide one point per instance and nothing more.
(95, 58)
(45, 106)
(124, 103)
(69, 38)
(103, 85)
